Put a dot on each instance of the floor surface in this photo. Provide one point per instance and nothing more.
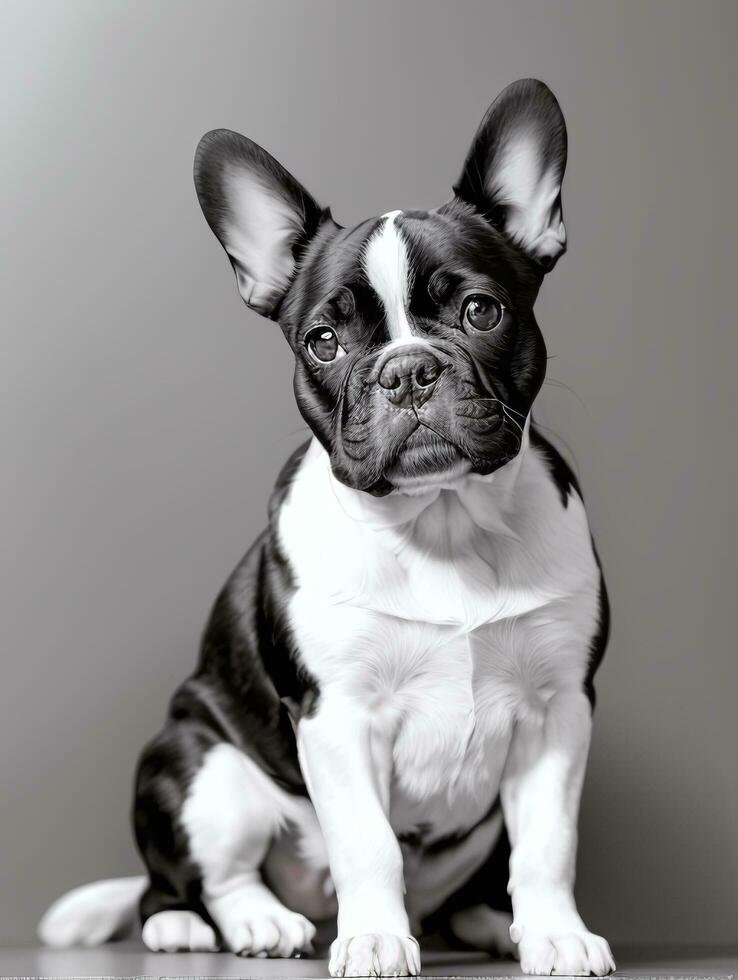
(132, 960)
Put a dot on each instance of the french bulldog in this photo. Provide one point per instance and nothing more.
(391, 714)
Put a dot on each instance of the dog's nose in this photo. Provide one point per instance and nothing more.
(408, 377)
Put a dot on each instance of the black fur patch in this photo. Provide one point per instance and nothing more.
(561, 472)
(567, 484)
(246, 676)
(598, 644)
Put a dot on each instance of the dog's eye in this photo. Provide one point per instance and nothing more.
(482, 312)
(322, 344)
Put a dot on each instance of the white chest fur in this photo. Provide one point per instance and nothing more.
(448, 615)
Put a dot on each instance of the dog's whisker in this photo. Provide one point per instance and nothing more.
(506, 406)
(511, 419)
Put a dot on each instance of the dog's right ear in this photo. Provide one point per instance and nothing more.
(260, 214)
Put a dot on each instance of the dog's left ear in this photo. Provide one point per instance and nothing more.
(260, 214)
(515, 167)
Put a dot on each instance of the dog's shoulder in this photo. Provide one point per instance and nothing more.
(559, 470)
(567, 485)
(284, 481)
(248, 676)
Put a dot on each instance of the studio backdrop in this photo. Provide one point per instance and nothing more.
(146, 411)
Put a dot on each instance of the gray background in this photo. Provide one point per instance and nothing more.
(146, 411)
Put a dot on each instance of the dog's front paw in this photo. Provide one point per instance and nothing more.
(375, 954)
(572, 954)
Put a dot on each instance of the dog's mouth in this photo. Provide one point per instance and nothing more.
(433, 442)
(424, 455)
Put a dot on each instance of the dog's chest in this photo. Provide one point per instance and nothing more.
(452, 702)
(446, 631)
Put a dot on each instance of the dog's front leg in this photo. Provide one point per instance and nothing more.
(541, 788)
(347, 766)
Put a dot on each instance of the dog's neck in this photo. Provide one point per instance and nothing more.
(486, 498)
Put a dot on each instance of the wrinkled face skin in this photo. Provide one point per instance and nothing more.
(417, 353)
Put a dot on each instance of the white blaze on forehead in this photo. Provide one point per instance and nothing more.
(388, 269)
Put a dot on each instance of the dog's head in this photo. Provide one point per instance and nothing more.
(417, 355)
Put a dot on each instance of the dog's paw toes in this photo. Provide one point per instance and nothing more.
(571, 954)
(375, 954)
(175, 931)
(278, 933)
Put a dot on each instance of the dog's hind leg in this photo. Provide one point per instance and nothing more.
(205, 816)
(172, 914)
(232, 813)
(482, 927)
